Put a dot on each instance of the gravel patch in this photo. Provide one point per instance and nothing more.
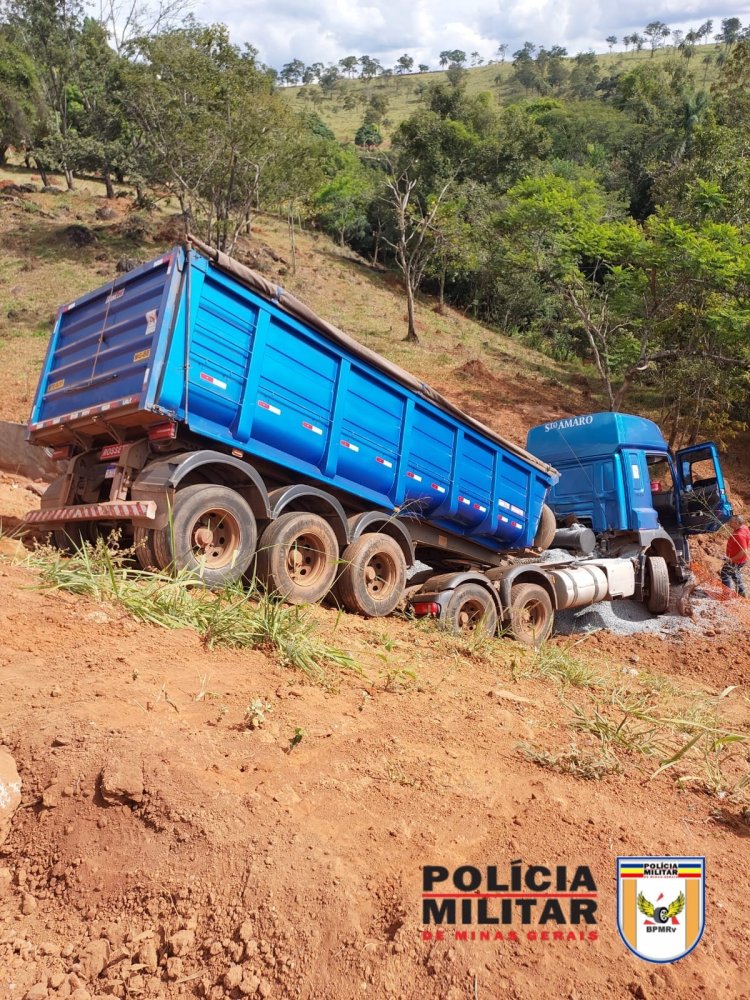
(627, 617)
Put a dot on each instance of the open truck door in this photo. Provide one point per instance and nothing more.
(704, 506)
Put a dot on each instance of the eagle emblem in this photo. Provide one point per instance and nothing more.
(661, 914)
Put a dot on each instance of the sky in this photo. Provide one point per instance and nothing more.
(327, 30)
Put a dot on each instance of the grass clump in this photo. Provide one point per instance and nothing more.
(592, 766)
(557, 663)
(232, 617)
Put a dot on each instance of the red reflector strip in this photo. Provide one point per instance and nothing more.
(267, 406)
(502, 517)
(464, 500)
(385, 462)
(312, 427)
(515, 524)
(478, 506)
(414, 476)
(349, 445)
(92, 512)
(422, 608)
(436, 486)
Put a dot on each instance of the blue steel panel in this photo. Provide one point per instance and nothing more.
(102, 344)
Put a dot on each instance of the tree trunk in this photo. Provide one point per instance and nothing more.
(3, 151)
(411, 335)
(441, 295)
(42, 174)
(108, 184)
(292, 242)
(69, 177)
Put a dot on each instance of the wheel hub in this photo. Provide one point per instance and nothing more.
(216, 538)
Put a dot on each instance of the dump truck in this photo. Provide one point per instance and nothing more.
(228, 431)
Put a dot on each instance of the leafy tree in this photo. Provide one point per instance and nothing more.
(404, 64)
(22, 109)
(368, 135)
(656, 32)
(611, 42)
(501, 50)
(423, 68)
(342, 202)
(369, 67)
(213, 129)
(705, 30)
(49, 31)
(731, 28)
(349, 64)
(292, 72)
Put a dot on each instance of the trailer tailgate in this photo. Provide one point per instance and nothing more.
(101, 352)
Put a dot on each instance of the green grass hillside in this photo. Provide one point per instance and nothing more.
(403, 92)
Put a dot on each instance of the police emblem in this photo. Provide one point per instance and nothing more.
(661, 906)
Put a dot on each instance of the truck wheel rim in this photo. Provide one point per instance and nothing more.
(380, 576)
(306, 560)
(216, 538)
(470, 614)
(532, 616)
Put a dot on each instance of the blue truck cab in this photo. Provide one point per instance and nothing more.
(619, 478)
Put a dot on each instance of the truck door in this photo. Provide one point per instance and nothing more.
(704, 506)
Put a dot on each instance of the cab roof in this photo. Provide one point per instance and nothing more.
(593, 435)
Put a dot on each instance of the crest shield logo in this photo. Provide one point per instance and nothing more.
(661, 909)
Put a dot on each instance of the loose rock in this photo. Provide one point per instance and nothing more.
(121, 781)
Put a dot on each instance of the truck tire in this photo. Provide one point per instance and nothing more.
(212, 534)
(657, 584)
(531, 616)
(298, 557)
(143, 543)
(545, 533)
(373, 575)
(471, 609)
(71, 537)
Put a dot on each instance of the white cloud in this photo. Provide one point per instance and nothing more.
(331, 29)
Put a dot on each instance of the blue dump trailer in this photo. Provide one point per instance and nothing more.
(228, 430)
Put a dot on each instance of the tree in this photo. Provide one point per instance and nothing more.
(341, 203)
(411, 244)
(705, 30)
(731, 28)
(368, 67)
(611, 42)
(656, 32)
(293, 72)
(213, 130)
(501, 50)
(638, 41)
(368, 135)
(476, 59)
(349, 64)
(49, 31)
(423, 68)
(128, 21)
(22, 109)
(444, 58)
(404, 64)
